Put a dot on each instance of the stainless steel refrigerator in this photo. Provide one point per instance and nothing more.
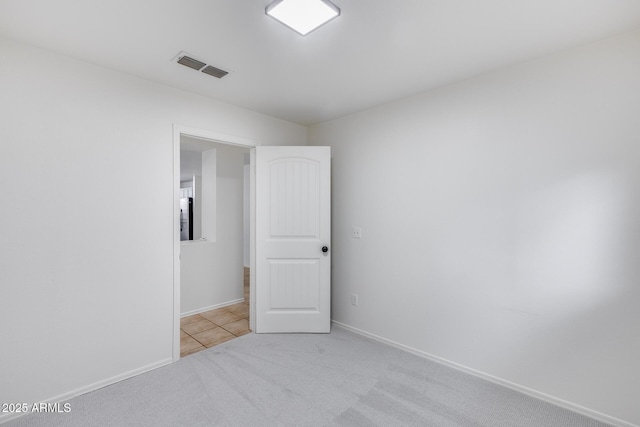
(186, 218)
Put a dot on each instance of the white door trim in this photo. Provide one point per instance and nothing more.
(222, 138)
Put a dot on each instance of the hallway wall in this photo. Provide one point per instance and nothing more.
(212, 271)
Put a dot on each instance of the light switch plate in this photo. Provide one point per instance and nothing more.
(356, 232)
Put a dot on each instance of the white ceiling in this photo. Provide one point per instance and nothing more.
(377, 51)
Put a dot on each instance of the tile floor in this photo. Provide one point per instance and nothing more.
(207, 329)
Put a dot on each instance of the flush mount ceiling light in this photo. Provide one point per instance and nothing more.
(303, 16)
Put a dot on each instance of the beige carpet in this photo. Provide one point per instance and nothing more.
(338, 379)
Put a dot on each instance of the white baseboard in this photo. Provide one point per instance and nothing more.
(211, 307)
(525, 390)
(92, 387)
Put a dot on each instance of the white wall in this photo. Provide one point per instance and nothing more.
(85, 257)
(212, 271)
(190, 163)
(500, 224)
(209, 197)
(246, 212)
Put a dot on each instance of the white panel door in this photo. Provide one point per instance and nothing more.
(293, 233)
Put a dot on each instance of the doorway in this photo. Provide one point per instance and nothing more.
(212, 327)
(203, 260)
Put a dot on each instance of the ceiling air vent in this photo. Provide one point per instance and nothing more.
(190, 62)
(215, 72)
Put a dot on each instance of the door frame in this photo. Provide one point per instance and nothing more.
(221, 138)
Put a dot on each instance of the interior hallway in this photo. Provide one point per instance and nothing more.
(214, 327)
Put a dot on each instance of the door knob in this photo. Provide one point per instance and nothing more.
(325, 249)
